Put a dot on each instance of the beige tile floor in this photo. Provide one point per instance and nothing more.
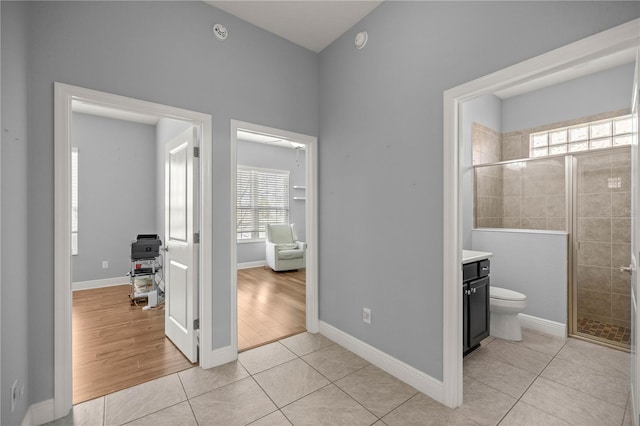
(309, 380)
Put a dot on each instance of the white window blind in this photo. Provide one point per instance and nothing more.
(74, 201)
(262, 198)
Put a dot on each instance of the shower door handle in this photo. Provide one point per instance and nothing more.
(627, 269)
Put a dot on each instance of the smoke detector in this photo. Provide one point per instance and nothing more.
(220, 31)
(361, 39)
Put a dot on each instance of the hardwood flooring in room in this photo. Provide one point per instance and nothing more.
(271, 305)
(116, 345)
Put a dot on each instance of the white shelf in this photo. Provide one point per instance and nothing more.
(300, 198)
(299, 187)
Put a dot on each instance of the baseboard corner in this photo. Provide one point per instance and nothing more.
(423, 382)
(543, 325)
(39, 413)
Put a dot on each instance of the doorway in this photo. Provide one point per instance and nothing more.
(65, 96)
(533, 71)
(272, 302)
(119, 304)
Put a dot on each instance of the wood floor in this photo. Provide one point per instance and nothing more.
(271, 305)
(116, 345)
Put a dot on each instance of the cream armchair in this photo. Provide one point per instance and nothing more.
(284, 251)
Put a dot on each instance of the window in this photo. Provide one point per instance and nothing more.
(74, 201)
(601, 134)
(262, 198)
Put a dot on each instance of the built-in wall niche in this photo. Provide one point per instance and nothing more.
(299, 192)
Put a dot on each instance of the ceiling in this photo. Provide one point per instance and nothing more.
(312, 24)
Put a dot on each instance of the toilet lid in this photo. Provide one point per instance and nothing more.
(505, 294)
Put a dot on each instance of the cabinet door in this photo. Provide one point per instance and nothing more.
(465, 318)
(478, 302)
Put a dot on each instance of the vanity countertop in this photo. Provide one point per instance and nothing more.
(469, 256)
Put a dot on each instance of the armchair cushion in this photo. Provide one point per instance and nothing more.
(290, 254)
(291, 246)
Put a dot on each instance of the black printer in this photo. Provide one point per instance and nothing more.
(146, 246)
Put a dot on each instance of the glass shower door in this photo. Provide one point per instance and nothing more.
(601, 236)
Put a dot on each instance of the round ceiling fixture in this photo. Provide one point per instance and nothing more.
(220, 31)
(361, 39)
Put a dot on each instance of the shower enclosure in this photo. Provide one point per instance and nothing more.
(588, 195)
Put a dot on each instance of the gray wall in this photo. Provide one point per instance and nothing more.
(274, 157)
(15, 309)
(534, 264)
(605, 91)
(116, 192)
(485, 110)
(162, 52)
(380, 150)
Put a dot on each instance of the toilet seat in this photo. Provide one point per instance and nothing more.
(505, 294)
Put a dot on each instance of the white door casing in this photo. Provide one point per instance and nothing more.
(65, 95)
(635, 242)
(563, 59)
(180, 265)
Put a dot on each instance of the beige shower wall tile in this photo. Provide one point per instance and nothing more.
(511, 185)
(511, 148)
(593, 179)
(594, 278)
(594, 205)
(511, 222)
(556, 184)
(621, 307)
(534, 206)
(620, 230)
(556, 206)
(594, 302)
(489, 186)
(620, 255)
(594, 254)
(621, 204)
(624, 173)
(534, 184)
(556, 224)
(594, 229)
(620, 281)
(511, 207)
(533, 223)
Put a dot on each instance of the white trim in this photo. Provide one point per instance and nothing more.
(63, 96)
(39, 413)
(256, 264)
(398, 369)
(104, 282)
(600, 45)
(223, 355)
(543, 325)
(311, 219)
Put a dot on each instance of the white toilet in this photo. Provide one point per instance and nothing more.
(505, 305)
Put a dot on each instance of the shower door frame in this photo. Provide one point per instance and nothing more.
(572, 227)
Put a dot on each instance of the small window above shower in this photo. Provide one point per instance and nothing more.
(594, 135)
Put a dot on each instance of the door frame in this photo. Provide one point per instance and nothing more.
(311, 222)
(600, 45)
(64, 95)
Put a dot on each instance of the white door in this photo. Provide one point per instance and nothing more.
(635, 245)
(180, 264)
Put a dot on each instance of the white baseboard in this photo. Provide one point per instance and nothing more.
(105, 282)
(256, 264)
(39, 413)
(218, 357)
(421, 381)
(543, 325)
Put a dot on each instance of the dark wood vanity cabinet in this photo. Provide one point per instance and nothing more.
(475, 296)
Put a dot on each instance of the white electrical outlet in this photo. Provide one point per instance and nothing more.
(105, 264)
(366, 315)
(14, 395)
